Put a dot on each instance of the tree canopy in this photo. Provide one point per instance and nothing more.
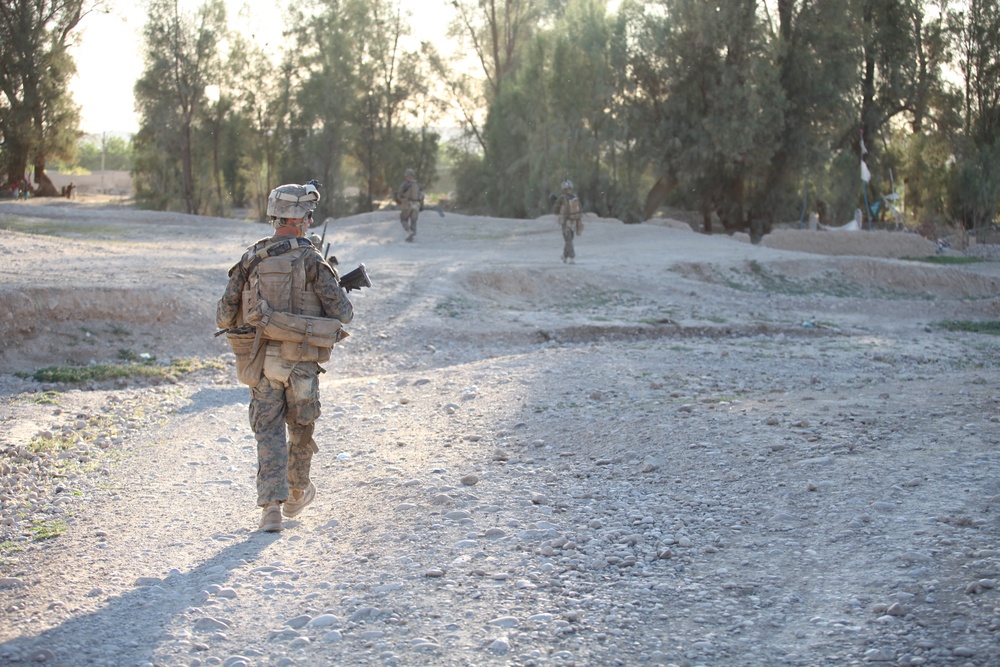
(749, 112)
(38, 119)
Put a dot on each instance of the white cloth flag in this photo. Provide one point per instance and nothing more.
(866, 175)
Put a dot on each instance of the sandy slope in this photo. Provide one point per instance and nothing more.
(680, 450)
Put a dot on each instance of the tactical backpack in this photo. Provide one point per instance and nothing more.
(571, 212)
(280, 304)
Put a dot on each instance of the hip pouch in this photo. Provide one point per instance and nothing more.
(249, 357)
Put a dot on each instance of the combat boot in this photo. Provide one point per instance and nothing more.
(298, 500)
(270, 518)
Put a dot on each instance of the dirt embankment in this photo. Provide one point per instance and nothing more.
(859, 244)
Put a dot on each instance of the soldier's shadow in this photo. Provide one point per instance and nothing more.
(133, 623)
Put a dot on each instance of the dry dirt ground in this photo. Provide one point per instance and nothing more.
(681, 450)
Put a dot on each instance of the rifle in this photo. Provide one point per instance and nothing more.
(437, 208)
(323, 238)
(244, 329)
(355, 279)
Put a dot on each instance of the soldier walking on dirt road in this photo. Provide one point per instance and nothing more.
(567, 205)
(284, 281)
(410, 197)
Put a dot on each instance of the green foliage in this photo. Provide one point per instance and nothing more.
(974, 189)
(173, 166)
(112, 152)
(145, 368)
(748, 113)
(38, 119)
(971, 326)
(46, 530)
(344, 95)
(945, 260)
(557, 116)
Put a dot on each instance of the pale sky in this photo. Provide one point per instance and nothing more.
(109, 55)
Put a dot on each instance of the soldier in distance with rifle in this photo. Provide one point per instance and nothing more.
(567, 205)
(410, 197)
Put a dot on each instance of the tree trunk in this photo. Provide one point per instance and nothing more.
(187, 170)
(46, 188)
(658, 194)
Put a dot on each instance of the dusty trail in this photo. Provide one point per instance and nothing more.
(681, 450)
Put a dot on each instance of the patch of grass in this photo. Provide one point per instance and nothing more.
(40, 444)
(128, 355)
(453, 307)
(972, 326)
(586, 299)
(46, 530)
(147, 368)
(7, 548)
(944, 259)
(47, 398)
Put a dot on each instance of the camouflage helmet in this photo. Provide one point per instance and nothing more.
(567, 184)
(292, 200)
(410, 172)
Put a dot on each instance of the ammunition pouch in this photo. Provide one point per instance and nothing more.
(302, 337)
(249, 357)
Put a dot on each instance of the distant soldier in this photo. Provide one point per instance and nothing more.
(567, 205)
(410, 197)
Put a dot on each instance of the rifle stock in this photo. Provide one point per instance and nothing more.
(355, 279)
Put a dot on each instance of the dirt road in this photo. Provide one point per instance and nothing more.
(680, 450)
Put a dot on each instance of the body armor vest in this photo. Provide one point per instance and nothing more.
(279, 282)
(571, 208)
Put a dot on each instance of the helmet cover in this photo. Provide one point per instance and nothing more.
(567, 185)
(292, 201)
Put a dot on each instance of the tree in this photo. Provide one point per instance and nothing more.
(313, 107)
(110, 153)
(385, 79)
(811, 50)
(38, 119)
(356, 87)
(716, 104)
(255, 132)
(975, 189)
(560, 115)
(182, 59)
(495, 31)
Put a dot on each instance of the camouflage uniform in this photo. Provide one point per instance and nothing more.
(288, 394)
(569, 221)
(410, 197)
